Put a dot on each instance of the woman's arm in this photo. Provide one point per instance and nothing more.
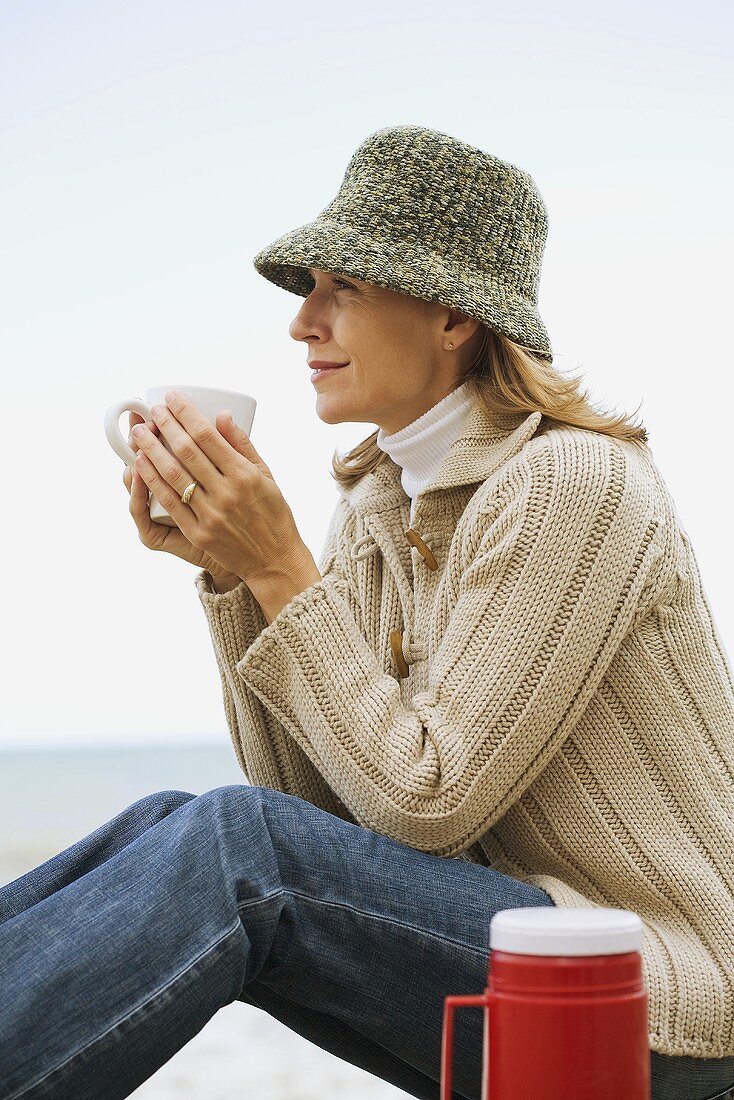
(267, 754)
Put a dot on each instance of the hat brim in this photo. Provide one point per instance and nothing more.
(330, 245)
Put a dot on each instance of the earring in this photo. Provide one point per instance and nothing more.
(450, 345)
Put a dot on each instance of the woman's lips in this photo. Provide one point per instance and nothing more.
(327, 370)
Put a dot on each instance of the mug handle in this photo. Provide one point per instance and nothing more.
(477, 1000)
(112, 426)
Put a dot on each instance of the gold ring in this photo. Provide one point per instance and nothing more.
(188, 491)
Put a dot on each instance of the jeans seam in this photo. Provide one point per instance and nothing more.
(67, 1061)
(480, 951)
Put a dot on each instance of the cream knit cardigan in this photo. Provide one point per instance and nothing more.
(568, 718)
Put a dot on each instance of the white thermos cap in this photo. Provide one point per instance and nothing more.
(557, 930)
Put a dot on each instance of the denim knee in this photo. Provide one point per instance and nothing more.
(160, 804)
(244, 811)
(232, 801)
(240, 795)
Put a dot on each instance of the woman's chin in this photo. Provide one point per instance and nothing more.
(332, 416)
(332, 411)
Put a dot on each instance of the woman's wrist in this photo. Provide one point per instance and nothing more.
(224, 582)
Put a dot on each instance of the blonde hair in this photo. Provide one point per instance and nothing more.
(508, 378)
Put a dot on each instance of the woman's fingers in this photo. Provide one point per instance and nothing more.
(184, 462)
(152, 535)
(138, 498)
(127, 473)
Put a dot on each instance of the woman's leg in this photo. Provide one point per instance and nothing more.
(114, 835)
(117, 951)
(342, 1041)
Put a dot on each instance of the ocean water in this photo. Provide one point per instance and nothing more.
(50, 798)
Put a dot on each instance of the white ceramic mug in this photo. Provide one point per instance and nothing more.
(208, 400)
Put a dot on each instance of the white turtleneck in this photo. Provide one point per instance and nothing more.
(421, 446)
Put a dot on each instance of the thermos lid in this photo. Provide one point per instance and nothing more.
(557, 930)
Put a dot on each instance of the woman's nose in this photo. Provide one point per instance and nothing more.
(307, 324)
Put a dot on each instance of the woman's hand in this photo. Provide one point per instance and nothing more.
(237, 516)
(156, 536)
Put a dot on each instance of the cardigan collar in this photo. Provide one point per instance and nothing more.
(487, 440)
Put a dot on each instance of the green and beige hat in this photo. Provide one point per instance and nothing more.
(420, 212)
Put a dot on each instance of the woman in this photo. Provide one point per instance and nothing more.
(501, 686)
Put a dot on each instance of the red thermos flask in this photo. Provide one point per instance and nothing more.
(565, 1008)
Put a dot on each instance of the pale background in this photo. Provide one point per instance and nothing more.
(148, 150)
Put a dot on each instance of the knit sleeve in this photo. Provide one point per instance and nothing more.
(268, 755)
(551, 574)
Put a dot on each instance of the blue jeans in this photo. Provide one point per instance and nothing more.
(117, 951)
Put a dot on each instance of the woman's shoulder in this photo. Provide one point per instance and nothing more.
(582, 467)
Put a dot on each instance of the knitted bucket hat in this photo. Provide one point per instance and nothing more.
(420, 212)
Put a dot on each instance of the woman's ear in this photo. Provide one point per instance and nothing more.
(460, 327)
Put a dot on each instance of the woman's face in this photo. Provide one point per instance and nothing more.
(395, 346)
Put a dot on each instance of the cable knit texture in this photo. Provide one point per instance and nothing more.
(552, 700)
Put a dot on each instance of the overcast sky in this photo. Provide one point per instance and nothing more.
(150, 149)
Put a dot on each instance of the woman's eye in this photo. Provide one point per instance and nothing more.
(340, 283)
